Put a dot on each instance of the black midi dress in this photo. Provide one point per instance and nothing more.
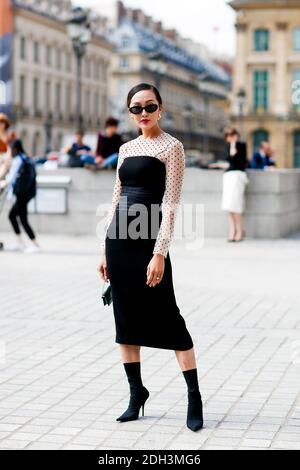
(141, 221)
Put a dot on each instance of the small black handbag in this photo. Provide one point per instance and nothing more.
(107, 294)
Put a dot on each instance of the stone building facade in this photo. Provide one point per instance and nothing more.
(44, 74)
(195, 91)
(266, 78)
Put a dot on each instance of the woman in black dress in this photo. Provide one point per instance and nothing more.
(135, 257)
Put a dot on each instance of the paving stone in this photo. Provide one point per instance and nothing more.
(63, 384)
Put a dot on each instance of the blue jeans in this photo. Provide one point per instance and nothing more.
(112, 160)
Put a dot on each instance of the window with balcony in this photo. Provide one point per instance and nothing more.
(23, 48)
(296, 39)
(126, 42)
(124, 62)
(260, 90)
(48, 96)
(296, 138)
(58, 59)
(22, 91)
(35, 96)
(48, 55)
(69, 99)
(261, 40)
(58, 98)
(36, 52)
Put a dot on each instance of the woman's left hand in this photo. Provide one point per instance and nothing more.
(155, 270)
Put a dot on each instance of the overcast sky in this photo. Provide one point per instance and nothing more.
(196, 19)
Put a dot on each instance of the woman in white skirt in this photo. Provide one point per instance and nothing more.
(235, 180)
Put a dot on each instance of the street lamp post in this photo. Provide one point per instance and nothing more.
(157, 66)
(206, 134)
(241, 99)
(80, 34)
(204, 88)
(188, 114)
(48, 133)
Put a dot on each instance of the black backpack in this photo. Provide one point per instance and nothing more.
(25, 185)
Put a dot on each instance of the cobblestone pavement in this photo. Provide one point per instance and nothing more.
(62, 382)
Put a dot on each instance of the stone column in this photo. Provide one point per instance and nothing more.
(280, 106)
(240, 66)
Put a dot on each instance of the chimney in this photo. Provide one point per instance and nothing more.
(158, 27)
(148, 22)
(171, 34)
(130, 14)
(121, 11)
(135, 14)
(141, 17)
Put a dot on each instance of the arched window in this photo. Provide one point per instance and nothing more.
(259, 136)
(297, 148)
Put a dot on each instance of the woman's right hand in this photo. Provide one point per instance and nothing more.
(102, 268)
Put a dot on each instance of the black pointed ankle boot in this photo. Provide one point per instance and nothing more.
(138, 397)
(138, 393)
(194, 420)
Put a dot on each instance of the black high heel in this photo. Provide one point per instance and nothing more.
(194, 420)
(137, 400)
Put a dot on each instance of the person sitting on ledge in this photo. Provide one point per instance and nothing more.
(262, 158)
(77, 150)
(107, 151)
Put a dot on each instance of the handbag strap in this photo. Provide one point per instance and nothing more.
(103, 286)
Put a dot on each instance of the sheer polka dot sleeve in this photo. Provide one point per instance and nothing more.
(115, 197)
(175, 165)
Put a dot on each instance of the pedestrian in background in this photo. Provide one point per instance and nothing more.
(21, 184)
(6, 137)
(262, 158)
(77, 150)
(235, 180)
(5, 154)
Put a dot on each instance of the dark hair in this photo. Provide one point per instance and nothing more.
(111, 121)
(80, 132)
(231, 132)
(17, 145)
(4, 118)
(140, 87)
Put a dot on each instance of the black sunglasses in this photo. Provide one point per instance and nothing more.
(149, 108)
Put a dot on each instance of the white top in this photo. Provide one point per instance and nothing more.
(170, 151)
(232, 148)
(12, 175)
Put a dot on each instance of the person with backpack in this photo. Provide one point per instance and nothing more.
(21, 182)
